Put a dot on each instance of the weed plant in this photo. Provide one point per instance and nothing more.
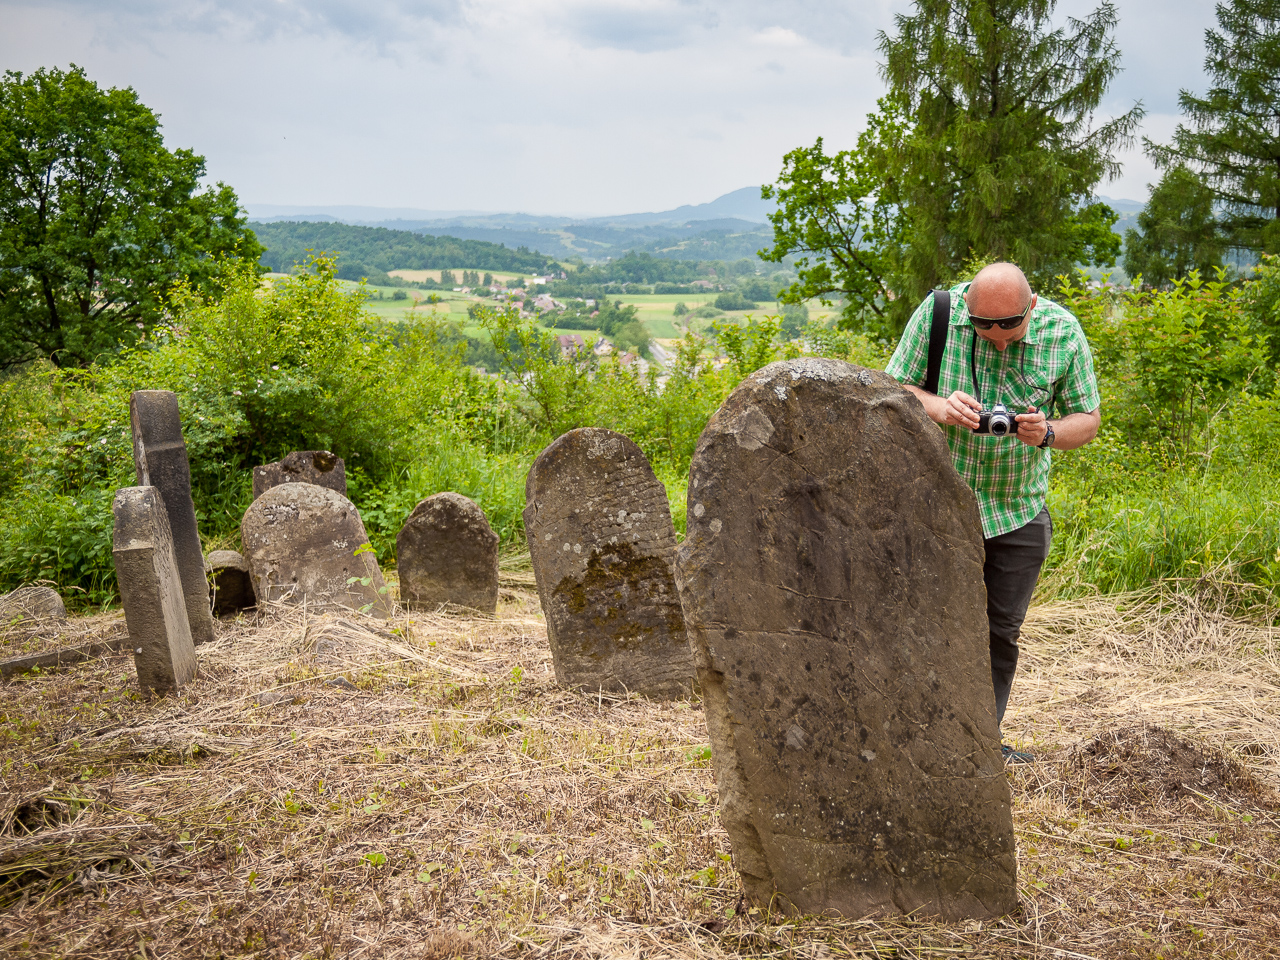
(1180, 485)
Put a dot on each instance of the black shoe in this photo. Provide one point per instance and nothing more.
(1015, 756)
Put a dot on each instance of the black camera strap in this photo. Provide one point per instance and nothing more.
(937, 338)
(973, 368)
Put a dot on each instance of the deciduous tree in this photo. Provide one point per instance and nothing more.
(98, 220)
(838, 216)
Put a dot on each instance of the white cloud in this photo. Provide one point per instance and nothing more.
(778, 37)
(601, 106)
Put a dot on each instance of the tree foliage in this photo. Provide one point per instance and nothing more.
(1177, 233)
(1233, 133)
(838, 215)
(1000, 156)
(98, 220)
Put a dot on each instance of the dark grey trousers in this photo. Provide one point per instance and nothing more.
(1010, 572)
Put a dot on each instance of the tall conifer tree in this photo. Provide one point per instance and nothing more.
(1233, 131)
(1002, 154)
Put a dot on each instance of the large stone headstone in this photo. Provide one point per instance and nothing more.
(160, 458)
(155, 608)
(832, 585)
(320, 467)
(306, 543)
(446, 553)
(230, 586)
(603, 548)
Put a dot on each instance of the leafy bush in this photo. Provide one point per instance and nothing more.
(733, 300)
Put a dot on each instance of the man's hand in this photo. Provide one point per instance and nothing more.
(1032, 427)
(961, 410)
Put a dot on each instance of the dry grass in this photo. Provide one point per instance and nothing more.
(336, 786)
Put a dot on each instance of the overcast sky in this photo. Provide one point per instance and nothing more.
(541, 106)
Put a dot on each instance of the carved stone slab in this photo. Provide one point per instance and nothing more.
(446, 553)
(602, 544)
(155, 609)
(832, 585)
(320, 467)
(305, 542)
(160, 459)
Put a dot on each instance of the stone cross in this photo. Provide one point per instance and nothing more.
(155, 609)
(160, 459)
(306, 543)
(603, 547)
(446, 553)
(832, 585)
(320, 467)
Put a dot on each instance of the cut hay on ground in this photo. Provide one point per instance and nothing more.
(339, 786)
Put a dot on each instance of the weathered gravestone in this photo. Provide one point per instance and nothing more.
(155, 609)
(832, 585)
(230, 586)
(160, 459)
(447, 553)
(31, 602)
(602, 544)
(306, 543)
(320, 467)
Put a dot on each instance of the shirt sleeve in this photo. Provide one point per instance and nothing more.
(910, 360)
(1078, 390)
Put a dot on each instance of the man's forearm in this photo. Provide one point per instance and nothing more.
(1075, 429)
(934, 405)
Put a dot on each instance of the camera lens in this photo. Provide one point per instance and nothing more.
(1000, 424)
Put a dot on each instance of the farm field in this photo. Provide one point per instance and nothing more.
(655, 311)
(337, 786)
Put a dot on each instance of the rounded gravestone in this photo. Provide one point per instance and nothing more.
(602, 545)
(306, 543)
(230, 585)
(320, 467)
(832, 586)
(31, 602)
(447, 554)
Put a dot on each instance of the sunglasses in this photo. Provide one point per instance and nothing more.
(1006, 323)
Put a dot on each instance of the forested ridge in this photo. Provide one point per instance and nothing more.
(362, 249)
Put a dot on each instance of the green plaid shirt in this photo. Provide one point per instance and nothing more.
(1050, 368)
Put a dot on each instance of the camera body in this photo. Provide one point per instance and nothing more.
(998, 421)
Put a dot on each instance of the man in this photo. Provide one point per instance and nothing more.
(1006, 345)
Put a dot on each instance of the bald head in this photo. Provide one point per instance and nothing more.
(999, 290)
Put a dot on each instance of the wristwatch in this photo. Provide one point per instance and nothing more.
(1048, 436)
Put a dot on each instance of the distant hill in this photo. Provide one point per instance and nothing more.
(730, 227)
(371, 251)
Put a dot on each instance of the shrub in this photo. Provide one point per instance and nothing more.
(733, 300)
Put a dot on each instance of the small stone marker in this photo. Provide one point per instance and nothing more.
(31, 602)
(320, 467)
(230, 585)
(304, 543)
(832, 584)
(160, 458)
(155, 609)
(603, 546)
(447, 553)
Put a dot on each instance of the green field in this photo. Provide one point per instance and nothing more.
(655, 311)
